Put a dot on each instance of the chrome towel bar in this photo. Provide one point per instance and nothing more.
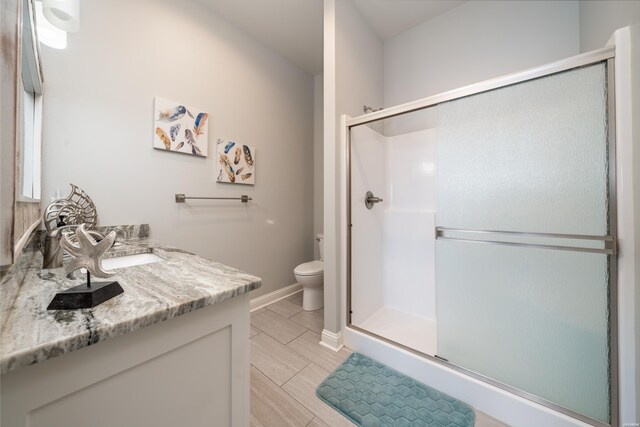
(180, 198)
(609, 241)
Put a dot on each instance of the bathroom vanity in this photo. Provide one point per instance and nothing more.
(171, 350)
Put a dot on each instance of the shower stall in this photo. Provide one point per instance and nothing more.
(481, 233)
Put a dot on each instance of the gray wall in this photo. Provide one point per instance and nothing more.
(599, 19)
(476, 41)
(359, 62)
(98, 132)
(635, 101)
(318, 160)
(353, 76)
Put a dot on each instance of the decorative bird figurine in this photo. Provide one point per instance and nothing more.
(88, 252)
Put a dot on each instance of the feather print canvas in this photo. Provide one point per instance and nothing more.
(180, 128)
(236, 162)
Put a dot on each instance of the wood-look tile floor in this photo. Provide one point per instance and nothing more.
(288, 364)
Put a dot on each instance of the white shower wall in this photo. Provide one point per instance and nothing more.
(368, 173)
(393, 244)
(409, 238)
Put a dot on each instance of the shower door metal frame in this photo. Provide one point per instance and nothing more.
(605, 55)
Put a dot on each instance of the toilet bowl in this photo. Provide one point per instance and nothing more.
(311, 276)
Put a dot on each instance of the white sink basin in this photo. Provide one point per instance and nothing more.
(129, 261)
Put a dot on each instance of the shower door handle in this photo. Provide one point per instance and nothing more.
(370, 200)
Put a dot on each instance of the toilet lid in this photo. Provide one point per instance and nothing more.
(309, 268)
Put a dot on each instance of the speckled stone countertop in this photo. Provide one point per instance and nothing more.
(183, 282)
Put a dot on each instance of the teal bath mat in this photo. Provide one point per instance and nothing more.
(372, 394)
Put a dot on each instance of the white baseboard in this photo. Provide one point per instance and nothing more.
(271, 297)
(332, 340)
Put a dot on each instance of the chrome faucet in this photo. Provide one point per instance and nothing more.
(52, 253)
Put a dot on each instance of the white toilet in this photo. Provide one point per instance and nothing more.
(311, 276)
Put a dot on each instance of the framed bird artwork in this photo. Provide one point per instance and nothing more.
(236, 162)
(179, 128)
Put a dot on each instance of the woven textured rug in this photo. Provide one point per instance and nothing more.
(372, 394)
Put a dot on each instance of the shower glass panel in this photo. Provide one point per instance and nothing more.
(529, 158)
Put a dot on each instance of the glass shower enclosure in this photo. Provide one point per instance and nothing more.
(481, 233)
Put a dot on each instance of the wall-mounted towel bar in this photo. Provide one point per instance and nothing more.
(180, 198)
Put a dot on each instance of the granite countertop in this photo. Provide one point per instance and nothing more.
(183, 282)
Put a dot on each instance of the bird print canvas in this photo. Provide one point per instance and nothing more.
(180, 128)
(236, 162)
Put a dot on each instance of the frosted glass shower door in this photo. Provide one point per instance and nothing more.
(529, 164)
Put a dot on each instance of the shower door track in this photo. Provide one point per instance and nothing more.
(607, 55)
(577, 61)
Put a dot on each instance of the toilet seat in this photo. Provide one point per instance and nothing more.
(312, 268)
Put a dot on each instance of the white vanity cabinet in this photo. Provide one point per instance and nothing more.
(191, 370)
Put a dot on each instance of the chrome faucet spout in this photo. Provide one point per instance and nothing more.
(52, 254)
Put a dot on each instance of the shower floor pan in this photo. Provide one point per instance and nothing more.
(416, 332)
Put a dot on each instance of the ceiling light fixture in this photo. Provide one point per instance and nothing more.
(64, 14)
(48, 34)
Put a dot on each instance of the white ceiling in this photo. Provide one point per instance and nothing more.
(293, 28)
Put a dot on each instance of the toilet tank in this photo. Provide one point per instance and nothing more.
(320, 239)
